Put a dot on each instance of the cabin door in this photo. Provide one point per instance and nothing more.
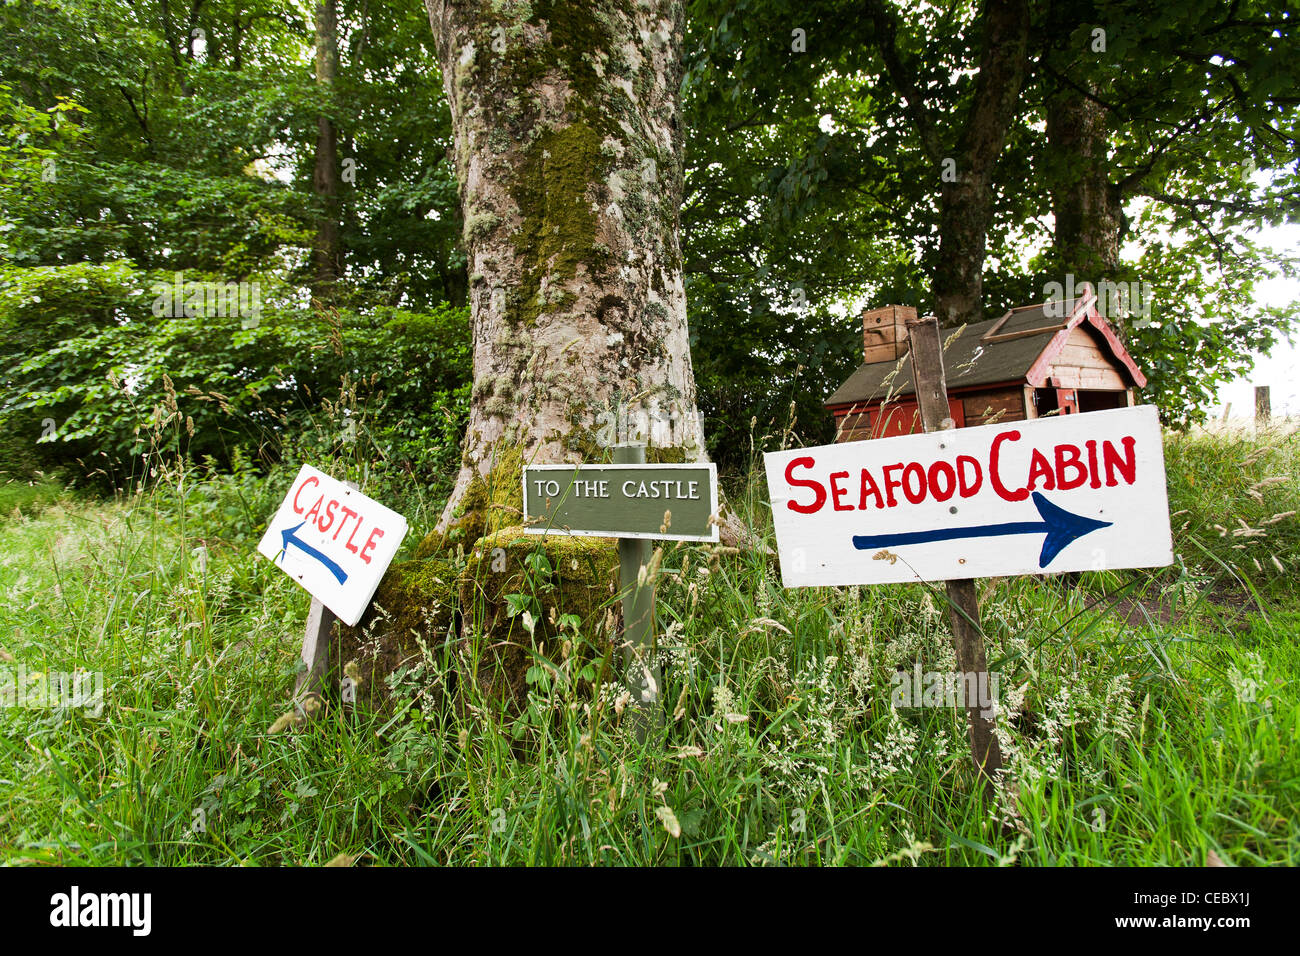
(1067, 399)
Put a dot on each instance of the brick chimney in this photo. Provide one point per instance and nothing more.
(884, 336)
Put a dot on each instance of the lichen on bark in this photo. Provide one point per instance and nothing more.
(568, 146)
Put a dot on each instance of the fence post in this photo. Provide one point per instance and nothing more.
(1263, 405)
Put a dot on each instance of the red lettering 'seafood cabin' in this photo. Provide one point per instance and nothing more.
(1059, 357)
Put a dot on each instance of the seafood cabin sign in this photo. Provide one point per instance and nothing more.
(334, 541)
(1069, 493)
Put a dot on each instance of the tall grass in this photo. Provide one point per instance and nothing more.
(1145, 717)
(28, 497)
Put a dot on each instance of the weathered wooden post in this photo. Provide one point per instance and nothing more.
(1263, 405)
(315, 655)
(336, 543)
(964, 611)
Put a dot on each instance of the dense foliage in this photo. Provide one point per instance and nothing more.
(146, 147)
(825, 132)
(150, 160)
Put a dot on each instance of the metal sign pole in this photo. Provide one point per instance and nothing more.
(641, 671)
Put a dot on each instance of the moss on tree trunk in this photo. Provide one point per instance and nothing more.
(532, 601)
(568, 151)
(415, 609)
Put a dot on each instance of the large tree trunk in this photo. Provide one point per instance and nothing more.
(964, 214)
(966, 204)
(325, 177)
(569, 156)
(1087, 206)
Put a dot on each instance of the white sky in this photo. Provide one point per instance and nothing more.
(1281, 369)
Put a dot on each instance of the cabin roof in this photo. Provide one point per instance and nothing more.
(1007, 349)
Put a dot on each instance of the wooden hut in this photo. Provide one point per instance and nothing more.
(1060, 357)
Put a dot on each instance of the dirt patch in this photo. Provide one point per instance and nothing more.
(1144, 612)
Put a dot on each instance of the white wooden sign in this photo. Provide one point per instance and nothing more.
(1068, 493)
(334, 541)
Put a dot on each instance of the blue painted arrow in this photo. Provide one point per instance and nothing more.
(1061, 526)
(290, 538)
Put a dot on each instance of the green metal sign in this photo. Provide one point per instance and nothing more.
(667, 502)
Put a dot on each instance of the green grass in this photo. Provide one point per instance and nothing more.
(1149, 742)
(28, 497)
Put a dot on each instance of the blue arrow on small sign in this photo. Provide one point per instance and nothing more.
(1061, 527)
(290, 538)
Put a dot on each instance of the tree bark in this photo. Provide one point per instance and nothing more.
(965, 168)
(966, 204)
(568, 152)
(325, 177)
(1087, 206)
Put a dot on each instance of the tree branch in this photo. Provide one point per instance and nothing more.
(886, 29)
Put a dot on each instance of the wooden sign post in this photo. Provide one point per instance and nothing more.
(1263, 405)
(1055, 494)
(963, 602)
(337, 543)
(315, 655)
(636, 503)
